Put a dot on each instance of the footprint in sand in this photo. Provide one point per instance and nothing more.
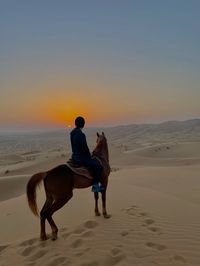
(87, 234)
(77, 243)
(115, 251)
(132, 210)
(90, 224)
(43, 244)
(82, 252)
(143, 214)
(78, 230)
(28, 242)
(27, 251)
(154, 229)
(58, 261)
(149, 221)
(149, 224)
(155, 246)
(38, 255)
(114, 259)
(124, 233)
(179, 258)
(3, 248)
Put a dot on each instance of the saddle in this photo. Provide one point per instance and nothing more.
(78, 169)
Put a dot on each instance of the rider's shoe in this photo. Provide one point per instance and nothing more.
(97, 188)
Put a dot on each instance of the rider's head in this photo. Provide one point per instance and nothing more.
(80, 122)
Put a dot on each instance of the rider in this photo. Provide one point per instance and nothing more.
(81, 154)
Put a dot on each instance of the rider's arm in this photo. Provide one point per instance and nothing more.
(84, 145)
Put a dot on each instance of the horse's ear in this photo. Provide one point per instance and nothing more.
(103, 134)
(98, 135)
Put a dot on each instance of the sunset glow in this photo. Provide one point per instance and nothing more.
(132, 64)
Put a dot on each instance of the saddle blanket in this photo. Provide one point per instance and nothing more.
(80, 170)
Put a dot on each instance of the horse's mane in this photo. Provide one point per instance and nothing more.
(101, 149)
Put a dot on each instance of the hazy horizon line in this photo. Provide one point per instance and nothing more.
(29, 129)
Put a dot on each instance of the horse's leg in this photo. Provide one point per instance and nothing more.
(96, 196)
(105, 214)
(59, 203)
(54, 228)
(43, 217)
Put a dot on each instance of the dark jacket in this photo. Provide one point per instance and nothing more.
(80, 150)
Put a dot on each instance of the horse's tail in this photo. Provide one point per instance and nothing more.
(31, 191)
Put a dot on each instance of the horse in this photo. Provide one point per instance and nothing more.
(59, 183)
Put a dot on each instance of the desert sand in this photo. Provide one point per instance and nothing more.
(153, 197)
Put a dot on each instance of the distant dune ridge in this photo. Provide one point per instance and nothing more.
(153, 196)
(183, 131)
(188, 130)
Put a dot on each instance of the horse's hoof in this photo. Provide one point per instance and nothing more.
(43, 238)
(54, 237)
(106, 216)
(97, 214)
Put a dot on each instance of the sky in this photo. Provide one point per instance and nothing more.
(113, 62)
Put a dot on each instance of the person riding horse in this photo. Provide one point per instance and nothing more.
(81, 155)
(59, 183)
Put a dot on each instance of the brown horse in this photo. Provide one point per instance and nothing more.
(59, 183)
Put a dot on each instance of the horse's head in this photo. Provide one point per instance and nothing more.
(101, 148)
(101, 139)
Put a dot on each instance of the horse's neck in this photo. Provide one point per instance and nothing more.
(105, 155)
(102, 153)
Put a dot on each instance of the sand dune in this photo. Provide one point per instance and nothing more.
(13, 186)
(153, 197)
(150, 225)
(172, 150)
